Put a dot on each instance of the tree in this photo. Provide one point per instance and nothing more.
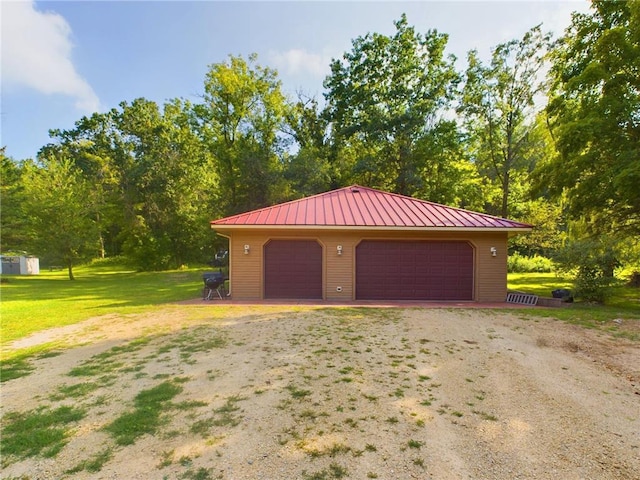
(97, 150)
(154, 182)
(446, 174)
(173, 185)
(498, 103)
(13, 225)
(241, 121)
(594, 115)
(383, 97)
(59, 206)
(309, 170)
(550, 229)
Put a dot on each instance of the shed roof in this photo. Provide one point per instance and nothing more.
(363, 207)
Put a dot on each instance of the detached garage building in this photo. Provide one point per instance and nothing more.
(358, 243)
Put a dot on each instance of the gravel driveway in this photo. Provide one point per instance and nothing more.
(308, 393)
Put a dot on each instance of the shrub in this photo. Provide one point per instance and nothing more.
(590, 285)
(517, 263)
(592, 263)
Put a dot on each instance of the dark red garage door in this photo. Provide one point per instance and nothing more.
(293, 269)
(414, 270)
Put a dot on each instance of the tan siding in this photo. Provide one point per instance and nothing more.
(491, 272)
(246, 271)
(339, 268)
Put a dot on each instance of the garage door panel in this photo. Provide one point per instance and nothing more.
(293, 269)
(414, 270)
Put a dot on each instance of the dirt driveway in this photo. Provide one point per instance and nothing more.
(307, 393)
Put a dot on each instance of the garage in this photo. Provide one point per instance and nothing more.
(414, 270)
(358, 243)
(293, 269)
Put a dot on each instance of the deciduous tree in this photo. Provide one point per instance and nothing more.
(383, 97)
(498, 106)
(60, 211)
(240, 121)
(594, 112)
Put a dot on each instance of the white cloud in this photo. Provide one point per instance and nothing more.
(297, 61)
(36, 53)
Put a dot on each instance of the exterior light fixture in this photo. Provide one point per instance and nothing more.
(494, 251)
(246, 249)
(339, 248)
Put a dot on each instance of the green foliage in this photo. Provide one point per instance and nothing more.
(152, 181)
(548, 234)
(335, 471)
(517, 263)
(61, 215)
(243, 112)
(298, 392)
(310, 170)
(593, 113)
(143, 180)
(593, 263)
(497, 103)
(12, 220)
(386, 95)
(167, 222)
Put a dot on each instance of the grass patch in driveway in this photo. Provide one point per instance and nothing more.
(15, 368)
(297, 392)
(94, 464)
(42, 431)
(223, 417)
(146, 418)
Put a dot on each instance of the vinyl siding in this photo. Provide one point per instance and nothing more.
(246, 271)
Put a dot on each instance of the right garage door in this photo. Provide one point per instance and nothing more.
(414, 270)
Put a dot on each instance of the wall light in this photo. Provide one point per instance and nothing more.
(339, 248)
(246, 249)
(494, 252)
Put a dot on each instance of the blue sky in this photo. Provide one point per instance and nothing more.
(63, 60)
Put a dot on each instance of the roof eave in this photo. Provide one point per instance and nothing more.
(511, 230)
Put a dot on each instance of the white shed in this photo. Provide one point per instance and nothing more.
(21, 265)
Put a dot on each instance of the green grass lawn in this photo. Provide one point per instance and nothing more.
(541, 284)
(50, 299)
(623, 304)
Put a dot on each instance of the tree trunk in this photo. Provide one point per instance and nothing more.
(505, 194)
(70, 269)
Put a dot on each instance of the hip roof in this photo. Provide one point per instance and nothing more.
(356, 206)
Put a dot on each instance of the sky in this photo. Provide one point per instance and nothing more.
(62, 60)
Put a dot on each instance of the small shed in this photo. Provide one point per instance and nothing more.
(358, 243)
(20, 265)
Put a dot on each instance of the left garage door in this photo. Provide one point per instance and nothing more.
(293, 269)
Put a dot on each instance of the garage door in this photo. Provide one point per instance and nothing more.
(414, 270)
(293, 269)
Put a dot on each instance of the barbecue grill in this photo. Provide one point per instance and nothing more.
(214, 283)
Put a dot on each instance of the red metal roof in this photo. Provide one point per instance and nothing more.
(357, 206)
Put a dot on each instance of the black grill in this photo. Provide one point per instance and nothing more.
(214, 282)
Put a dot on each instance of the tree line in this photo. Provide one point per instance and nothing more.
(560, 151)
